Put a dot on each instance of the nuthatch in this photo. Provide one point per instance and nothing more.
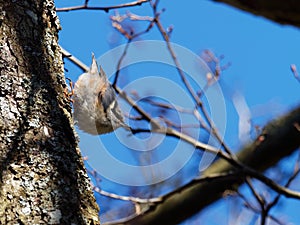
(96, 109)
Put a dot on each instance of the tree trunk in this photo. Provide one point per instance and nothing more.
(42, 177)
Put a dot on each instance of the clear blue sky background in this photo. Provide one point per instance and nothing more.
(259, 50)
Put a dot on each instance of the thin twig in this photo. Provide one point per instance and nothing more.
(273, 185)
(257, 211)
(120, 62)
(187, 84)
(168, 106)
(169, 123)
(73, 59)
(295, 72)
(260, 200)
(276, 199)
(104, 8)
(127, 198)
(130, 37)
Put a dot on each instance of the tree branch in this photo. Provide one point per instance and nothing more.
(281, 138)
(104, 8)
(287, 12)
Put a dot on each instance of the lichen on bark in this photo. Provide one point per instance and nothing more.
(42, 176)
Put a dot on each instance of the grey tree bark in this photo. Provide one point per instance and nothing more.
(42, 176)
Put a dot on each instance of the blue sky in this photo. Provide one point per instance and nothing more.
(260, 53)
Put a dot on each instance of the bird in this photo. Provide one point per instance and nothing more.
(95, 107)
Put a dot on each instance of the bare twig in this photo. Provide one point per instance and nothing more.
(273, 185)
(260, 200)
(120, 62)
(295, 72)
(168, 106)
(104, 8)
(73, 59)
(130, 37)
(276, 199)
(169, 123)
(248, 205)
(127, 198)
(265, 208)
(186, 82)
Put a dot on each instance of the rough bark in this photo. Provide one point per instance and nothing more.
(279, 139)
(42, 176)
(284, 12)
